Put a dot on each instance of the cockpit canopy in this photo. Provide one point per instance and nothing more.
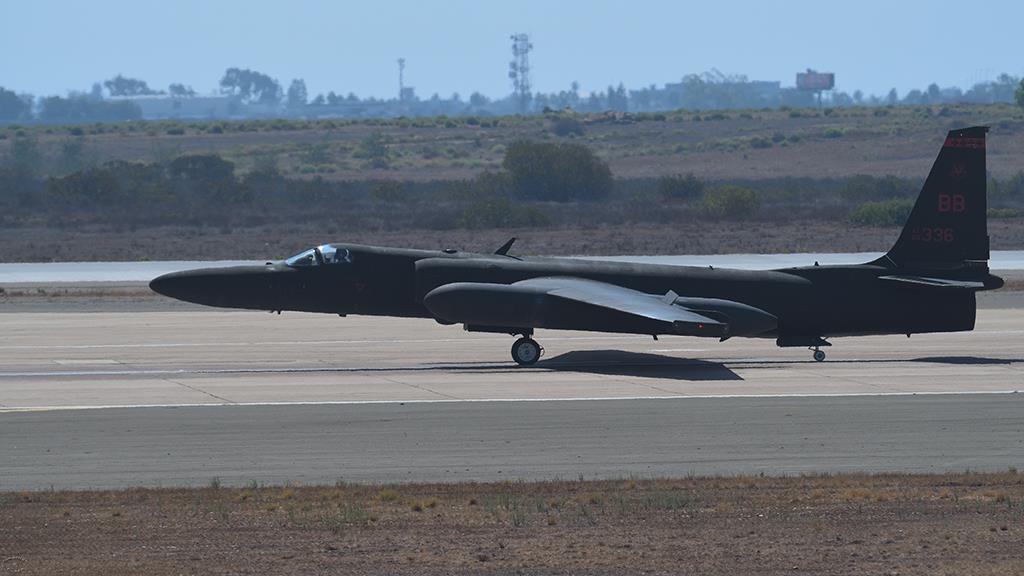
(321, 255)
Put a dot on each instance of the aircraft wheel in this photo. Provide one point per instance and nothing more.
(819, 355)
(526, 351)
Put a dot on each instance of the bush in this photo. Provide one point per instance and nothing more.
(389, 192)
(556, 172)
(863, 188)
(680, 187)
(202, 167)
(500, 212)
(566, 126)
(889, 213)
(1003, 213)
(374, 149)
(1012, 188)
(731, 202)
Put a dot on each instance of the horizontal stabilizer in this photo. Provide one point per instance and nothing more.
(936, 282)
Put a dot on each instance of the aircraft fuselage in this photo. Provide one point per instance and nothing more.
(808, 301)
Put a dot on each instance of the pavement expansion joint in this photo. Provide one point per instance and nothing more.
(201, 391)
(421, 388)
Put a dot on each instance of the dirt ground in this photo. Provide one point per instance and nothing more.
(737, 144)
(280, 241)
(964, 524)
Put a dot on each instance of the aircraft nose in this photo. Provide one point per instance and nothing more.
(177, 285)
(253, 287)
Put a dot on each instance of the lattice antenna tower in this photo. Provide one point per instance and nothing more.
(519, 70)
(401, 78)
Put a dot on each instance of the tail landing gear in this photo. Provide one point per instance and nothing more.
(813, 343)
(526, 351)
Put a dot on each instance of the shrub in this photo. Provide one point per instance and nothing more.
(731, 202)
(863, 188)
(889, 213)
(202, 167)
(374, 149)
(319, 153)
(680, 187)
(566, 126)
(1003, 213)
(389, 192)
(388, 495)
(500, 212)
(556, 172)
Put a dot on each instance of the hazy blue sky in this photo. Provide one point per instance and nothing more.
(51, 46)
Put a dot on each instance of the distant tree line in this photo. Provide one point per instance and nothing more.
(253, 93)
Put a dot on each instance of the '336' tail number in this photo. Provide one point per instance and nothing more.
(938, 234)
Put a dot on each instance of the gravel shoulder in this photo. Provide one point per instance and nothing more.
(965, 524)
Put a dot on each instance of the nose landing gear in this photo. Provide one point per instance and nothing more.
(526, 351)
(819, 355)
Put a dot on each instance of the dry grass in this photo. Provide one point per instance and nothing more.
(902, 142)
(929, 524)
(287, 238)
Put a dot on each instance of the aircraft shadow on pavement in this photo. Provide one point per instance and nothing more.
(622, 363)
(968, 360)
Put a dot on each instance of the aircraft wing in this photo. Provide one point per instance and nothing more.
(617, 298)
(581, 304)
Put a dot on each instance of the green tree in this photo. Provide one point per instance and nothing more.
(556, 172)
(1018, 94)
(297, 94)
(181, 91)
(122, 86)
(13, 108)
(251, 86)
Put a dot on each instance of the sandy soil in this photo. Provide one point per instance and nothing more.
(955, 524)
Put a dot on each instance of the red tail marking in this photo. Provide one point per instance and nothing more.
(978, 143)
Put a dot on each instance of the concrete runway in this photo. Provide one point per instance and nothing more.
(173, 398)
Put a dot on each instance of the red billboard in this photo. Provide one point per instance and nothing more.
(815, 81)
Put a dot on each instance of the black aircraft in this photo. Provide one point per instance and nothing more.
(925, 283)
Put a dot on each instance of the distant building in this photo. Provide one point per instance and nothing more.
(188, 108)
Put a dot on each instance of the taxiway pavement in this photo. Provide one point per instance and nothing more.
(129, 398)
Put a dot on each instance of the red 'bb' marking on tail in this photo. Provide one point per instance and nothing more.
(952, 203)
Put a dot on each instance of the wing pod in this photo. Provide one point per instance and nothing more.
(578, 304)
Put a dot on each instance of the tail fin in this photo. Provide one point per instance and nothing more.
(948, 226)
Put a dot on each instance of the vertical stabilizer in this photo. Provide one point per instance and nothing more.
(947, 227)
